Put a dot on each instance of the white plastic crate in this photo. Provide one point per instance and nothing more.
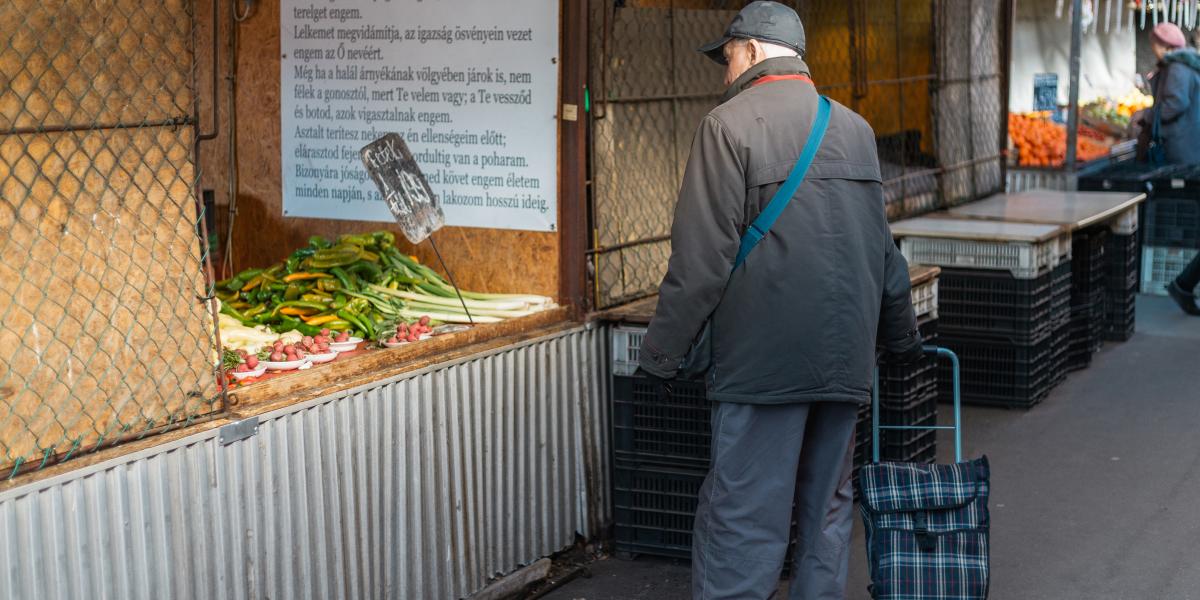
(1025, 260)
(1125, 223)
(924, 299)
(626, 341)
(1160, 265)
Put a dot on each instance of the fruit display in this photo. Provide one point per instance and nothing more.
(1116, 113)
(1042, 143)
(359, 285)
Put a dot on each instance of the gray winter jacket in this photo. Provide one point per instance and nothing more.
(798, 321)
(1177, 98)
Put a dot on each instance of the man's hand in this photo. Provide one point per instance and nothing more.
(912, 353)
(663, 388)
(909, 357)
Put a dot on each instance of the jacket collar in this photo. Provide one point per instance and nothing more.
(772, 66)
(1186, 56)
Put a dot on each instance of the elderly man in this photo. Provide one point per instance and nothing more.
(793, 328)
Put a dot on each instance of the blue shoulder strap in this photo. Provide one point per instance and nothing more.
(762, 224)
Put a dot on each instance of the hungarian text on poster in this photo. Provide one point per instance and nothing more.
(471, 86)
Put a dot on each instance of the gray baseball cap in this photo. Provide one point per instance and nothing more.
(763, 21)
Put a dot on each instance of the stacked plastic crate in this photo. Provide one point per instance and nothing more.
(908, 395)
(1003, 305)
(1121, 283)
(1089, 275)
(661, 443)
(1172, 229)
(661, 450)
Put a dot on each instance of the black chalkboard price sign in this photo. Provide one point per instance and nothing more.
(403, 187)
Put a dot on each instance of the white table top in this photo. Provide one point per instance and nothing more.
(1073, 209)
(976, 229)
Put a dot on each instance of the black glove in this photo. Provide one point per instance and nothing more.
(909, 357)
(913, 351)
(663, 388)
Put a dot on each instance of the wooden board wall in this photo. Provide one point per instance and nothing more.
(490, 260)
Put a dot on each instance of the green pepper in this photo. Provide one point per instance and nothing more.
(385, 238)
(338, 260)
(266, 319)
(315, 297)
(292, 263)
(366, 270)
(301, 304)
(307, 329)
(317, 241)
(293, 291)
(339, 301)
(254, 310)
(249, 274)
(233, 312)
(359, 239)
(356, 321)
(338, 325)
(342, 278)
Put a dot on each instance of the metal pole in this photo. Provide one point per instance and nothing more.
(1073, 94)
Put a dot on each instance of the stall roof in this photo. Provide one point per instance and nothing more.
(1073, 209)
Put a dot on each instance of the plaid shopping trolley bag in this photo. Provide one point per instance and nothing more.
(926, 525)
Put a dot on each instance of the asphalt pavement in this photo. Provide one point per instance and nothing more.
(1094, 491)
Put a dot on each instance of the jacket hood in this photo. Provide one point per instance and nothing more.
(1185, 56)
(783, 65)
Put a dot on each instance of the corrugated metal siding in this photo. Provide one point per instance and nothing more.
(421, 487)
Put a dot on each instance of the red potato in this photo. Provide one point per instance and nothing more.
(412, 337)
(325, 332)
(306, 340)
(252, 362)
(277, 357)
(424, 321)
(343, 337)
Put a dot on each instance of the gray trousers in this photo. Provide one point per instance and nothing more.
(763, 457)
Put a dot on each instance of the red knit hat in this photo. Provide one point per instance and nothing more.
(1169, 34)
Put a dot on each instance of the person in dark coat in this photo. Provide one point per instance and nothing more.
(793, 329)
(1176, 86)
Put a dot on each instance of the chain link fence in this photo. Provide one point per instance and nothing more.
(925, 75)
(104, 335)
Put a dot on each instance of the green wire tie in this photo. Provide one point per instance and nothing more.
(45, 458)
(17, 466)
(587, 99)
(74, 447)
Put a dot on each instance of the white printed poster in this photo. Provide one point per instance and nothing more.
(471, 85)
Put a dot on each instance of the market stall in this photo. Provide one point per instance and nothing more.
(349, 400)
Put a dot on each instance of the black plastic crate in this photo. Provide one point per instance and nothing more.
(896, 442)
(1003, 373)
(1173, 222)
(994, 302)
(920, 448)
(1126, 176)
(1089, 270)
(654, 508)
(674, 431)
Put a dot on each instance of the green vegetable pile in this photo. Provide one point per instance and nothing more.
(360, 284)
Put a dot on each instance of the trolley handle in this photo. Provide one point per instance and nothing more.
(957, 427)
